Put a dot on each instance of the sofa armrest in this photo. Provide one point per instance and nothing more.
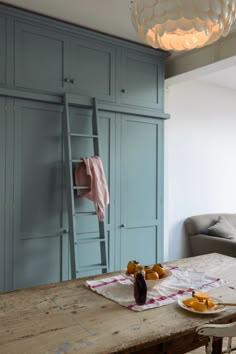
(203, 244)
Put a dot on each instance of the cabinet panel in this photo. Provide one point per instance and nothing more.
(141, 80)
(38, 189)
(2, 50)
(140, 189)
(2, 190)
(39, 56)
(91, 66)
(140, 244)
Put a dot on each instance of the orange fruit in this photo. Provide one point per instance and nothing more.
(147, 267)
(159, 269)
(131, 266)
(199, 306)
(189, 301)
(151, 275)
(200, 295)
(210, 303)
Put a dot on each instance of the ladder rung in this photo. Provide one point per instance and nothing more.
(77, 161)
(90, 240)
(92, 267)
(84, 135)
(85, 213)
(81, 187)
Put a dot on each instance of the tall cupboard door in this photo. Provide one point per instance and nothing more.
(39, 59)
(91, 67)
(2, 189)
(2, 50)
(38, 194)
(140, 190)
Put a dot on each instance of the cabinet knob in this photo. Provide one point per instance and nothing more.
(72, 81)
(123, 90)
(123, 225)
(66, 79)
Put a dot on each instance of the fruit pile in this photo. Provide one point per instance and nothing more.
(199, 301)
(154, 272)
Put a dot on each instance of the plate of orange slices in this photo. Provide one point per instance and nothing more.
(200, 302)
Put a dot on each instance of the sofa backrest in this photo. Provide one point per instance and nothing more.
(198, 224)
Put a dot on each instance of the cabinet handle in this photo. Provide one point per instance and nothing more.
(123, 225)
(123, 90)
(72, 81)
(66, 79)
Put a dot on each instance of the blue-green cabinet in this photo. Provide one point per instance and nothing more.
(142, 79)
(37, 248)
(90, 66)
(141, 190)
(38, 194)
(2, 50)
(39, 58)
(2, 189)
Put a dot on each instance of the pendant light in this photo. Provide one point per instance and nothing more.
(182, 24)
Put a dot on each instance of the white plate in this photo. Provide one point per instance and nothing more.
(215, 309)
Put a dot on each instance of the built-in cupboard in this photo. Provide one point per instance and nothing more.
(41, 59)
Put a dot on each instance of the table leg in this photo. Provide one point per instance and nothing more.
(217, 346)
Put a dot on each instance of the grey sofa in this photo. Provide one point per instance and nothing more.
(201, 242)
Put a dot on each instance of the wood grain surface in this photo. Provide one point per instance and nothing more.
(67, 317)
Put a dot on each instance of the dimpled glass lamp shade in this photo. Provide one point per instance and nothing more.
(182, 24)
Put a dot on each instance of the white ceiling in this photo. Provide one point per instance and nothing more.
(113, 17)
(108, 16)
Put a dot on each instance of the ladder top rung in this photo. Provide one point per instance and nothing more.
(84, 135)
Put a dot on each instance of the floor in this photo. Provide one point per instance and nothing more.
(202, 349)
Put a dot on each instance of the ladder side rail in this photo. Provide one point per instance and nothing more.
(96, 146)
(69, 184)
(103, 251)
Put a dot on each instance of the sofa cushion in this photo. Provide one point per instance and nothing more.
(222, 228)
(199, 224)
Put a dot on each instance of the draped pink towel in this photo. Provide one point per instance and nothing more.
(90, 173)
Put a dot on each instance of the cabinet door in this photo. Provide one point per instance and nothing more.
(2, 190)
(38, 58)
(38, 189)
(87, 225)
(2, 51)
(90, 65)
(142, 80)
(141, 190)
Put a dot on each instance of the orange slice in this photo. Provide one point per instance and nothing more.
(199, 306)
(200, 295)
(189, 301)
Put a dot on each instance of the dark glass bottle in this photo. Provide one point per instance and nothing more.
(140, 287)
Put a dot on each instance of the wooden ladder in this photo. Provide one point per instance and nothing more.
(90, 104)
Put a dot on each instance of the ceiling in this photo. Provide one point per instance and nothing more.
(113, 17)
(108, 16)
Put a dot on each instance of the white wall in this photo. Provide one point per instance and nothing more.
(200, 157)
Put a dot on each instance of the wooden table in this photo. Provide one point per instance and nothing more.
(66, 317)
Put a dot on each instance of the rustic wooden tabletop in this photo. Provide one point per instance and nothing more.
(67, 317)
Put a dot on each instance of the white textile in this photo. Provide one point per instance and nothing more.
(120, 289)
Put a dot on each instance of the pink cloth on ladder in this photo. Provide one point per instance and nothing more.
(91, 174)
